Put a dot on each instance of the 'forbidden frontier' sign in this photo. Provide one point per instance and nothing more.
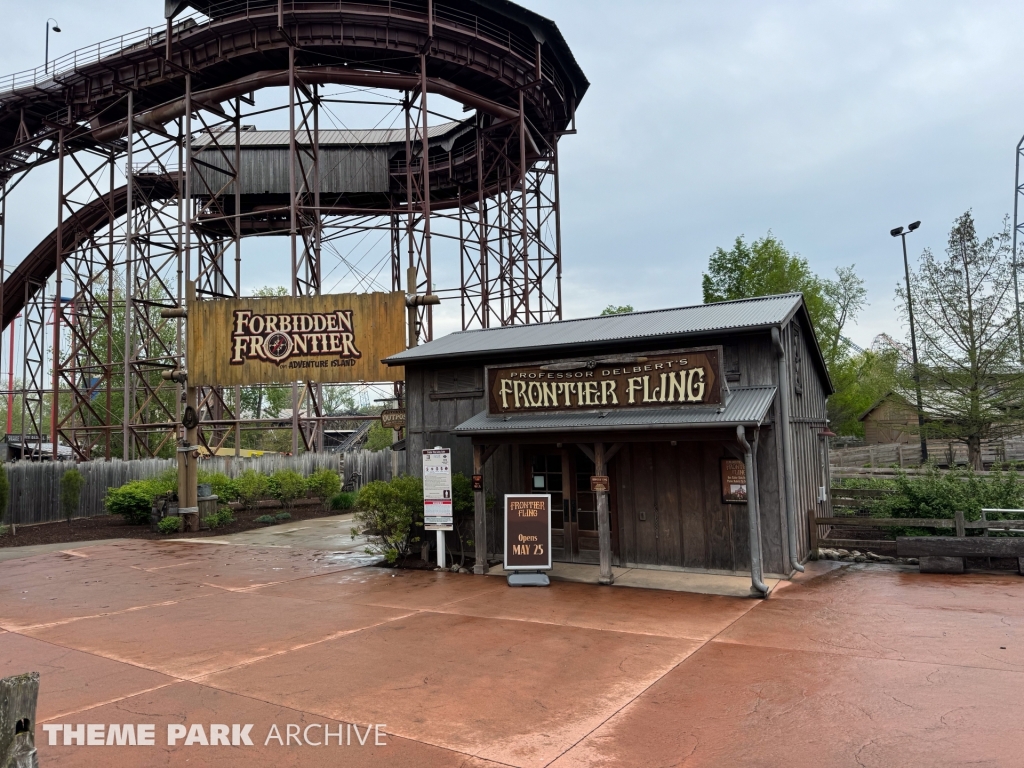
(527, 532)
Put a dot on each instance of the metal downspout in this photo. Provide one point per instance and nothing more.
(787, 447)
(753, 517)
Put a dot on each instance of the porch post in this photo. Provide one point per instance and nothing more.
(604, 528)
(479, 515)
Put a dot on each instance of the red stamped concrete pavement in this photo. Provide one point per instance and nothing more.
(858, 666)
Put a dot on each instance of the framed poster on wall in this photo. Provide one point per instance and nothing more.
(734, 481)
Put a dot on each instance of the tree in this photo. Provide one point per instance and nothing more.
(766, 267)
(71, 483)
(611, 309)
(965, 322)
(861, 380)
(379, 438)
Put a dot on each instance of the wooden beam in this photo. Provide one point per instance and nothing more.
(959, 546)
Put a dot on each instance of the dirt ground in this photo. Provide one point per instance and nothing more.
(114, 527)
(848, 665)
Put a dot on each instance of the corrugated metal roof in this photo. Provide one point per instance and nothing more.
(331, 137)
(702, 318)
(747, 406)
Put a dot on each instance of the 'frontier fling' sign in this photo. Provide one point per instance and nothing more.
(642, 380)
(326, 339)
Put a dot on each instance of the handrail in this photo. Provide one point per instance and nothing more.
(69, 63)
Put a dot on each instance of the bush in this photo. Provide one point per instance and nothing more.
(325, 485)
(4, 530)
(390, 515)
(132, 501)
(71, 483)
(220, 518)
(280, 516)
(250, 486)
(940, 494)
(169, 525)
(288, 486)
(266, 519)
(342, 501)
(221, 485)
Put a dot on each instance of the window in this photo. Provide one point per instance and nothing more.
(798, 381)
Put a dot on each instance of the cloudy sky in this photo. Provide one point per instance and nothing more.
(826, 123)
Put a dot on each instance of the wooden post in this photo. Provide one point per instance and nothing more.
(479, 515)
(812, 530)
(18, 695)
(958, 516)
(604, 527)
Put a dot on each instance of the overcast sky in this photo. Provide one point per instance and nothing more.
(826, 123)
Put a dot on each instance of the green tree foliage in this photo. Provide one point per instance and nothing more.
(325, 484)
(967, 344)
(611, 309)
(861, 380)
(765, 267)
(379, 437)
(390, 515)
(71, 483)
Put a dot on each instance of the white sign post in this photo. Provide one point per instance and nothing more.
(437, 495)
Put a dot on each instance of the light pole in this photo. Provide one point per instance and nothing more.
(55, 28)
(899, 232)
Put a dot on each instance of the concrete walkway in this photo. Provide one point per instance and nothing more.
(651, 578)
(326, 533)
(844, 666)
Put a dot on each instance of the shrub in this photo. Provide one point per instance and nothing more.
(282, 516)
(938, 494)
(250, 487)
(219, 518)
(390, 515)
(288, 486)
(169, 525)
(133, 501)
(266, 519)
(4, 530)
(342, 501)
(221, 485)
(71, 483)
(325, 485)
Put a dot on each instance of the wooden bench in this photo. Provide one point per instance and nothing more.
(945, 554)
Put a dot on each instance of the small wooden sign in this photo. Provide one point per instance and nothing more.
(734, 481)
(600, 484)
(478, 482)
(393, 418)
(527, 532)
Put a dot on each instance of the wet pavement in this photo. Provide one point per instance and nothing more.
(845, 666)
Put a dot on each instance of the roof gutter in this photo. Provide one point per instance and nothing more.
(753, 511)
(787, 445)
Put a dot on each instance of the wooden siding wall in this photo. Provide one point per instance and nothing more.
(705, 533)
(808, 412)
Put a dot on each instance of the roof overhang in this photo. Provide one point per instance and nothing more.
(746, 407)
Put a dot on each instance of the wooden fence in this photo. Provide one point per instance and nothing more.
(944, 453)
(35, 486)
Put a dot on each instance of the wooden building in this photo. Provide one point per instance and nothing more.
(892, 419)
(708, 420)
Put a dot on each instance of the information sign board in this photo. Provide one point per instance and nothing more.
(527, 532)
(437, 489)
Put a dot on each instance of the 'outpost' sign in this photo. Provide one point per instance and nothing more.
(644, 380)
(328, 339)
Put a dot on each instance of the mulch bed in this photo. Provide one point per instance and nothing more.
(114, 527)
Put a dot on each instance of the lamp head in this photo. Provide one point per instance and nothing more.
(56, 28)
(896, 232)
(914, 226)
